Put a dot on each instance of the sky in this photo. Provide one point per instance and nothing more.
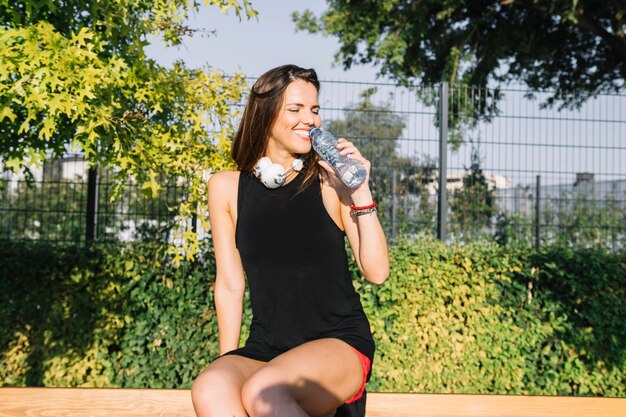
(259, 44)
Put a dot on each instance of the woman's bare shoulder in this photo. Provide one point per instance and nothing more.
(224, 181)
(222, 188)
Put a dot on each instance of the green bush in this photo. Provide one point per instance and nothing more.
(488, 319)
(473, 319)
(108, 315)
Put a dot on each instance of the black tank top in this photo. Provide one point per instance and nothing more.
(296, 265)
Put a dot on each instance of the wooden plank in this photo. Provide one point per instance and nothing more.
(94, 402)
(98, 402)
(459, 405)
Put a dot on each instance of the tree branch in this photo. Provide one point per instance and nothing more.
(617, 41)
(614, 40)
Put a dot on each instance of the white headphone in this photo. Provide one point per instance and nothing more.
(273, 175)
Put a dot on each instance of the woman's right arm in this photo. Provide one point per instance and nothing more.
(229, 279)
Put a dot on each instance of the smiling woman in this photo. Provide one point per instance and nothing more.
(310, 347)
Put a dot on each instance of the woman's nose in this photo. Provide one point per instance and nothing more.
(309, 118)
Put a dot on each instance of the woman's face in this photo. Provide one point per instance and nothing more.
(299, 112)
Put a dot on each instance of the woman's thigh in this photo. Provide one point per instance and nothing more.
(319, 375)
(217, 390)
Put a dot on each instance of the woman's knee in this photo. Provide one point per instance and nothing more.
(251, 397)
(215, 390)
(262, 394)
(205, 387)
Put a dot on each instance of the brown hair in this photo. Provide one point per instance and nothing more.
(262, 108)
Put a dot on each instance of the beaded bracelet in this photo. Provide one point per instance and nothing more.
(361, 210)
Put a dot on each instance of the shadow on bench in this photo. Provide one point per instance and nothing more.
(97, 402)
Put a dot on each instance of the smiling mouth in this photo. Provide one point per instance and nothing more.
(302, 133)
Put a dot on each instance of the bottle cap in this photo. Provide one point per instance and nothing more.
(313, 131)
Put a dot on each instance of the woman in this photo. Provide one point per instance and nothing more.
(310, 347)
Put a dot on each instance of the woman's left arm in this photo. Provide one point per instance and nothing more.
(364, 232)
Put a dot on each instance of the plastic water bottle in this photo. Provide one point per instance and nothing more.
(351, 172)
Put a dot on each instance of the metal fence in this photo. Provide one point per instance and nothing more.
(67, 202)
(521, 172)
(494, 164)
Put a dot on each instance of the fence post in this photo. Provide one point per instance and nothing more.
(92, 204)
(394, 204)
(442, 207)
(538, 213)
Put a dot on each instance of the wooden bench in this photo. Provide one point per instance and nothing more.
(97, 402)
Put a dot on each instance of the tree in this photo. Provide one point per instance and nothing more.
(74, 75)
(576, 48)
(474, 205)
